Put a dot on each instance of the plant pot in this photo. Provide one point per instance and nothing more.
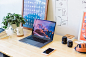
(13, 27)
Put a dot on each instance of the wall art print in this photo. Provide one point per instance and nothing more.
(34, 9)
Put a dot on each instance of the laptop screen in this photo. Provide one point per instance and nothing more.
(44, 28)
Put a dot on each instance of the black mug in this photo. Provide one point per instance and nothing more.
(70, 43)
(64, 40)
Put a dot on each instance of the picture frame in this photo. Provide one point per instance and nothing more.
(82, 30)
(34, 9)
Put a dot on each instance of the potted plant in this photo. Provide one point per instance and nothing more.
(13, 20)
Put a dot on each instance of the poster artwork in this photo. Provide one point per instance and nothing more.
(83, 28)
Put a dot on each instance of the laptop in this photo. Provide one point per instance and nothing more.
(42, 33)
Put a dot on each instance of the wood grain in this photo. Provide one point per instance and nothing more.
(14, 48)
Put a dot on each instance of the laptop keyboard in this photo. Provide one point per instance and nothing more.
(38, 39)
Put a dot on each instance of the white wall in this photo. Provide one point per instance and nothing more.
(10, 6)
(75, 10)
(74, 14)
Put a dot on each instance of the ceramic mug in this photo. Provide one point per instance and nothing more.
(19, 31)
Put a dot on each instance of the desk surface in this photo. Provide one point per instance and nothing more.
(14, 48)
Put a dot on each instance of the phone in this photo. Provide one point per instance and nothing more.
(48, 51)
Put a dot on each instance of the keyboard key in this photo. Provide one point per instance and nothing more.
(38, 39)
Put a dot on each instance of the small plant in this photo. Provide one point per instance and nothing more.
(13, 19)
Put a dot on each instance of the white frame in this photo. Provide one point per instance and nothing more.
(81, 25)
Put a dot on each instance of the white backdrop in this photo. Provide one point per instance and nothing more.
(75, 8)
(9, 6)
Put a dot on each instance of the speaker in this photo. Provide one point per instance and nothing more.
(64, 40)
(70, 43)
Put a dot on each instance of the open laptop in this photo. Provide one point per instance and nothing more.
(42, 33)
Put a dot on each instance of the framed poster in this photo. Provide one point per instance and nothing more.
(82, 33)
(34, 9)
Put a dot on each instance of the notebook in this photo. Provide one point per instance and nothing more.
(42, 33)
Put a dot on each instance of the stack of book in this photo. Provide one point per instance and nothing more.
(2, 33)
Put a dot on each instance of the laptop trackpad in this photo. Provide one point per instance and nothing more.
(31, 42)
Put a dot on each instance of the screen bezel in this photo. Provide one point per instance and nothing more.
(48, 21)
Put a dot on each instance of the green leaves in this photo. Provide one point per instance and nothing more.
(13, 19)
(4, 27)
(7, 17)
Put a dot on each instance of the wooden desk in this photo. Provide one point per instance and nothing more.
(14, 48)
